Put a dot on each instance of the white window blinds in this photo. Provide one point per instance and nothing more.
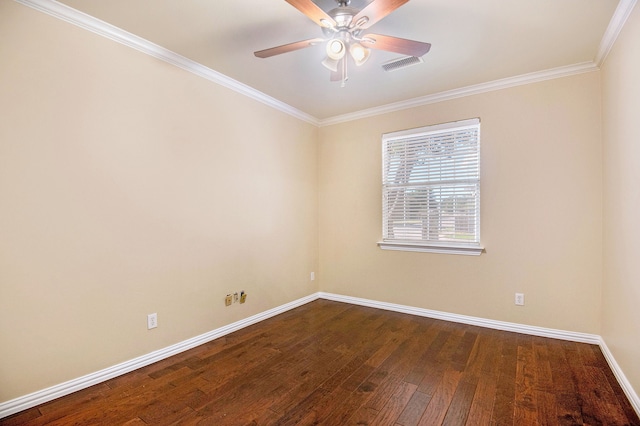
(431, 186)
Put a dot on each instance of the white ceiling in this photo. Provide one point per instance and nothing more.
(473, 42)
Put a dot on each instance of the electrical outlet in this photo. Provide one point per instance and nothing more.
(235, 297)
(520, 299)
(313, 276)
(152, 321)
(227, 300)
(243, 296)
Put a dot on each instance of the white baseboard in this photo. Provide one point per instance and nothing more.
(622, 379)
(464, 319)
(40, 397)
(66, 388)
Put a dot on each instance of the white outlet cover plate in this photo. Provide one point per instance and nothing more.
(152, 321)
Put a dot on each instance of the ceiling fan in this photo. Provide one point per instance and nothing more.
(343, 28)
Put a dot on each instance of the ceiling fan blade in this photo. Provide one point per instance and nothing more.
(376, 10)
(395, 44)
(266, 53)
(313, 12)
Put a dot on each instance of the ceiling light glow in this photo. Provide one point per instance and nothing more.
(335, 49)
(358, 52)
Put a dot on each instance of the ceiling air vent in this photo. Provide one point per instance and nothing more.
(397, 64)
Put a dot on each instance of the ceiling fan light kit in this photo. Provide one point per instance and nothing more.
(359, 53)
(343, 27)
(335, 49)
(330, 64)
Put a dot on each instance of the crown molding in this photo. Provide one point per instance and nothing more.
(504, 83)
(82, 20)
(104, 29)
(616, 24)
(619, 18)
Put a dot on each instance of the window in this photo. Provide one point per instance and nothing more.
(431, 189)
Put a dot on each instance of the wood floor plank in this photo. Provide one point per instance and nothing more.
(443, 357)
(135, 422)
(476, 347)
(430, 347)
(371, 396)
(599, 400)
(503, 408)
(481, 409)
(348, 377)
(62, 406)
(396, 338)
(333, 409)
(458, 410)
(525, 404)
(463, 351)
(586, 402)
(441, 400)
(612, 381)
(363, 416)
(386, 385)
(567, 394)
(23, 417)
(317, 373)
(330, 363)
(543, 388)
(414, 409)
(395, 405)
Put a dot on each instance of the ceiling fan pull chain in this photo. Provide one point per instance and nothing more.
(345, 77)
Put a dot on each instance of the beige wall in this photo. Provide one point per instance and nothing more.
(541, 195)
(129, 186)
(621, 139)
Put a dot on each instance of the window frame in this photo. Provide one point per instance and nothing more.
(426, 245)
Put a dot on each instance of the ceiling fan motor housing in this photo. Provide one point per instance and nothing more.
(343, 15)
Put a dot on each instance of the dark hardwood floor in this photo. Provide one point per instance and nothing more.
(331, 363)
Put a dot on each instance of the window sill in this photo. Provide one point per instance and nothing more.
(425, 248)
